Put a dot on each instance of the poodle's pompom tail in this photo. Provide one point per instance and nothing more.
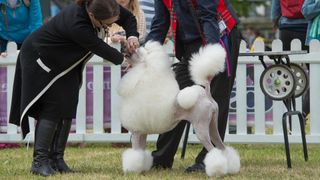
(188, 96)
(215, 163)
(233, 159)
(136, 161)
(207, 63)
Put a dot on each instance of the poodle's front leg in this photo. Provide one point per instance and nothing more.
(137, 159)
(138, 141)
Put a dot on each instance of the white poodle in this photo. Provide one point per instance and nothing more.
(151, 103)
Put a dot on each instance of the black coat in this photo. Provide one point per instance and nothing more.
(63, 44)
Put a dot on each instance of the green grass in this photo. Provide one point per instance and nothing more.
(102, 161)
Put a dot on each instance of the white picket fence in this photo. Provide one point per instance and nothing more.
(97, 133)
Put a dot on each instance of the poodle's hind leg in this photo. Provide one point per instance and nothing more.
(231, 155)
(213, 129)
(137, 159)
(201, 127)
(215, 162)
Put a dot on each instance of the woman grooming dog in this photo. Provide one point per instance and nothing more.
(49, 73)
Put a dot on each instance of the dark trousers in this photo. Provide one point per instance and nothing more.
(221, 87)
(286, 36)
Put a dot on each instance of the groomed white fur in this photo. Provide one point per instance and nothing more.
(233, 159)
(216, 163)
(208, 62)
(136, 161)
(188, 96)
(148, 92)
(151, 102)
(148, 160)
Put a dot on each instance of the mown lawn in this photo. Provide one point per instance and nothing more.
(103, 161)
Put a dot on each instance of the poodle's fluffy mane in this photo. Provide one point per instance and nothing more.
(148, 92)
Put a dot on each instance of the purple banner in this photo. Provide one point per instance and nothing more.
(106, 97)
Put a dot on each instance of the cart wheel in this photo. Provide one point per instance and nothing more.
(302, 81)
(278, 82)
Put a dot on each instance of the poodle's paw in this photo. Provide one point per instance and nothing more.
(233, 159)
(133, 161)
(136, 160)
(148, 160)
(216, 163)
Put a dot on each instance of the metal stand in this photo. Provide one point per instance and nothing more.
(291, 112)
(185, 141)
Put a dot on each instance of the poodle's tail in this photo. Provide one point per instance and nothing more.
(188, 96)
(208, 62)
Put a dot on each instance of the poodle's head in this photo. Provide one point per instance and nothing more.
(138, 56)
(152, 53)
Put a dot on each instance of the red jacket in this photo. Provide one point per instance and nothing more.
(223, 11)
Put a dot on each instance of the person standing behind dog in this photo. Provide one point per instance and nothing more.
(287, 16)
(55, 55)
(117, 34)
(147, 7)
(18, 18)
(311, 11)
(189, 37)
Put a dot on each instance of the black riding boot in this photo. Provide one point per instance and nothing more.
(58, 146)
(44, 133)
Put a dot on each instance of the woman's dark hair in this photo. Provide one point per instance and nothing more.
(101, 9)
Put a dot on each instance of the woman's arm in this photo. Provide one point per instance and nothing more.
(160, 23)
(128, 22)
(35, 20)
(310, 9)
(207, 12)
(275, 10)
(82, 33)
(141, 26)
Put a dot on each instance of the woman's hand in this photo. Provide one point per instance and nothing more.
(132, 44)
(117, 38)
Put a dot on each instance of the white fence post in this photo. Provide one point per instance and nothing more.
(12, 49)
(315, 89)
(241, 91)
(98, 98)
(259, 98)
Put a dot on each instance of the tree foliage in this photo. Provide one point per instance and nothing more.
(243, 7)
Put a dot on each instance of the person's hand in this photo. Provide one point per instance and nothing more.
(117, 38)
(126, 63)
(4, 54)
(132, 44)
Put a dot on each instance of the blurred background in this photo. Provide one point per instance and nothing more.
(253, 13)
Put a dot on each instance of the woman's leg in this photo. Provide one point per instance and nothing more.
(58, 147)
(44, 134)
